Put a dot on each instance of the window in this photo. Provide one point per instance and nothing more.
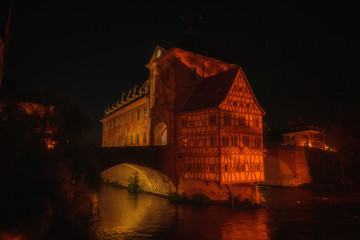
(235, 103)
(242, 167)
(212, 143)
(192, 73)
(184, 123)
(213, 120)
(132, 116)
(144, 137)
(242, 121)
(212, 168)
(226, 167)
(246, 141)
(247, 105)
(184, 142)
(138, 114)
(234, 141)
(145, 111)
(137, 138)
(257, 122)
(131, 139)
(304, 136)
(225, 141)
(257, 167)
(227, 119)
(258, 142)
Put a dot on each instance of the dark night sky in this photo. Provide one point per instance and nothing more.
(299, 56)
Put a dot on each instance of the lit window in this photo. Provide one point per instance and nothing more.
(184, 142)
(145, 111)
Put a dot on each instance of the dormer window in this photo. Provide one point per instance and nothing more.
(184, 123)
(192, 73)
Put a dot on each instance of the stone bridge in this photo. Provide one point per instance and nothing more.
(156, 167)
(159, 173)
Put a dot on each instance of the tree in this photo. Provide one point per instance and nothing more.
(39, 183)
(344, 135)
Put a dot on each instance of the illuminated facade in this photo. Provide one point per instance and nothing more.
(305, 138)
(203, 108)
(127, 123)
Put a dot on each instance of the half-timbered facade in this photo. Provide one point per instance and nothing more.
(220, 133)
(203, 108)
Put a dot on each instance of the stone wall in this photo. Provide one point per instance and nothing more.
(286, 166)
(291, 166)
(216, 192)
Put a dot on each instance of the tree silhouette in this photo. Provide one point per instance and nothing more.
(39, 183)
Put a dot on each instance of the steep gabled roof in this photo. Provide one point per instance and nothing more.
(211, 91)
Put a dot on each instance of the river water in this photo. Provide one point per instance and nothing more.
(289, 213)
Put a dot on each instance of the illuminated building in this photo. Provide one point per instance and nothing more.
(305, 138)
(202, 108)
(304, 134)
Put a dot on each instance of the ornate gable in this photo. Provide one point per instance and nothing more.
(240, 97)
(158, 53)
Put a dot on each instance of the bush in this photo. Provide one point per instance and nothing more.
(133, 184)
(176, 198)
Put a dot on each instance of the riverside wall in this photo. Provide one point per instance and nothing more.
(292, 166)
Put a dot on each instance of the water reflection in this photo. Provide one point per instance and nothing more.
(124, 215)
(289, 214)
(247, 224)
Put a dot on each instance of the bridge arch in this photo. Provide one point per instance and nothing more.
(150, 180)
(160, 134)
